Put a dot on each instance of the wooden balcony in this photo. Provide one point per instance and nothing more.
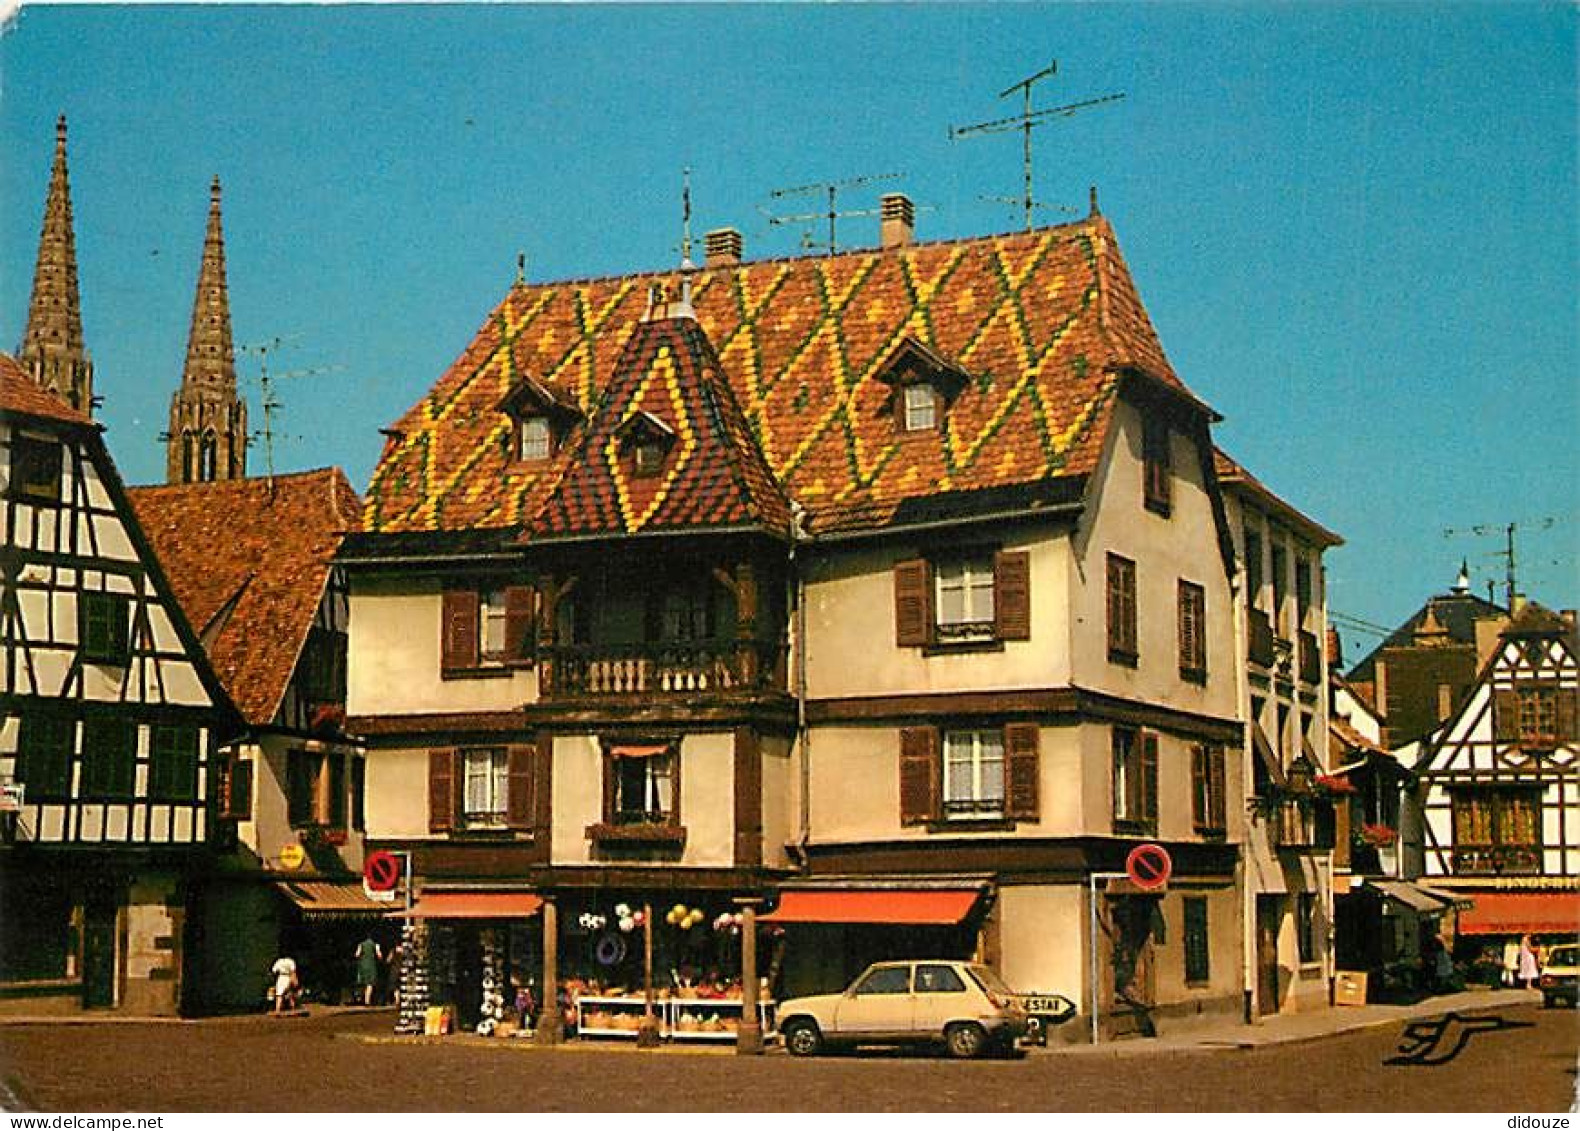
(1310, 658)
(1498, 860)
(1259, 638)
(1302, 825)
(667, 669)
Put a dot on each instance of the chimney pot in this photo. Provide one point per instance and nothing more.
(897, 217)
(722, 248)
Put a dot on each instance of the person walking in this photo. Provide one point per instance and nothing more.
(1529, 968)
(368, 958)
(285, 984)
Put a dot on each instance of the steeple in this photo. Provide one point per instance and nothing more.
(52, 349)
(207, 439)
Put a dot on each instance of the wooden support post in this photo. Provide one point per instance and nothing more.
(551, 1026)
(749, 1036)
(647, 1035)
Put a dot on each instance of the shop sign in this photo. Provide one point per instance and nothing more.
(12, 795)
(293, 856)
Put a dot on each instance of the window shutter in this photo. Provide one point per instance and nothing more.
(1022, 772)
(521, 628)
(1200, 799)
(359, 793)
(520, 799)
(913, 604)
(1565, 714)
(1149, 778)
(1012, 595)
(298, 789)
(918, 775)
(441, 790)
(458, 650)
(1506, 715)
(1218, 776)
(236, 790)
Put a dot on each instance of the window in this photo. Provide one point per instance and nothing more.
(109, 758)
(1135, 781)
(1253, 567)
(886, 980)
(1157, 481)
(1302, 591)
(1121, 610)
(235, 789)
(491, 625)
(1497, 830)
(973, 773)
(359, 793)
(683, 608)
(1208, 788)
(485, 786)
(1538, 714)
(964, 599)
(324, 666)
(919, 408)
(1306, 926)
(1280, 590)
(931, 979)
(172, 765)
(534, 440)
(1193, 632)
(103, 627)
(208, 458)
(44, 750)
(315, 787)
(647, 458)
(35, 469)
(644, 786)
(1198, 965)
(487, 628)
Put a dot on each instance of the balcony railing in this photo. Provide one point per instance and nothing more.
(1259, 638)
(1498, 860)
(702, 667)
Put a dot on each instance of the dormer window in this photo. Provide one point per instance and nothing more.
(647, 458)
(534, 439)
(919, 408)
(645, 441)
(923, 385)
(540, 418)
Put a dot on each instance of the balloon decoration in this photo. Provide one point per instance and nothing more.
(591, 922)
(730, 923)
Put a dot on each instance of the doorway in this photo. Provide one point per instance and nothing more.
(1269, 920)
(100, 920)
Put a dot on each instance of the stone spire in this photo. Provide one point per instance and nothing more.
(207, 439)
(52, 349)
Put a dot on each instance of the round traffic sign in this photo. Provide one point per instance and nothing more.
(381, 871)
(1149, 866)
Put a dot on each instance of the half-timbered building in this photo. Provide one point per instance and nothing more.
(109, 715)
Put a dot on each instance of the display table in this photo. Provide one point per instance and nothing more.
(679, 1018)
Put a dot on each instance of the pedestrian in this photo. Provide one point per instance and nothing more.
(368, 958)
(1529, 970)
(1511, 962)
(285, 984)
(397, 959)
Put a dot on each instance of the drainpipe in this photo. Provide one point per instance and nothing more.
(803, 736)
(1242, 864)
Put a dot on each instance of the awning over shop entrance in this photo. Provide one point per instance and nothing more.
(1417, 897)
(1522, 912)
(474, 905)
(901, 907)
(327, 899)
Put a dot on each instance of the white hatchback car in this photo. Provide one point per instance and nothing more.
(964, 1005)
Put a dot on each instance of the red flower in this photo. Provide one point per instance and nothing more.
(1379, 836)
(1334, 784)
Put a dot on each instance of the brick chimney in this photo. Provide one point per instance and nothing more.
(722, 248)
(898, 219)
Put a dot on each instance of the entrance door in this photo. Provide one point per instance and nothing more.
(1133, 919)
(98, 953)
(1269, 919)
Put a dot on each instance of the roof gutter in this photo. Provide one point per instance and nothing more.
(1057, 510)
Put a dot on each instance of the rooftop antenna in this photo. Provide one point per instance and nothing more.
(833, 214)
(1481, 530)
(1026, 121)
(521, 268)
(268, 401)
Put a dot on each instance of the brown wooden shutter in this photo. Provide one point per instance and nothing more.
(1022, 772)
(236, 789)
(913, 604)
(1506, 715)
(1200, 798)
(458, 649)
(441, 790)
(520, 791)
(1149, 778)
(919, 773)
(521, 629)
(1565, 715)
(1012, 595)
(1218, 778)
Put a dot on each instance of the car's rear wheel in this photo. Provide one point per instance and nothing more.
(802, 1037)
(965, 1040)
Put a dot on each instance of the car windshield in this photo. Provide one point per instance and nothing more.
(989, 981)
(1563, 956)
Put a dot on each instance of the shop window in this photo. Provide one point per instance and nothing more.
(1135, 778)
(35, 469)
(1122, 611)
(968, 598)
(173, 762)
(315, 789)
(1158, 490)
(103, 627)
(1209, 789)
(44, 749)
(485, 787)
(1198, 962)
(37, 945)
(1306, 926)
(485, 628)
(109, 759)
(884, 980)
(1193, 632)
(973, 773)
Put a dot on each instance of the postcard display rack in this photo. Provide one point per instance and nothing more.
(679, 1018)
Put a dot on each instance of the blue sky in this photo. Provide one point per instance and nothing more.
(1355, 226)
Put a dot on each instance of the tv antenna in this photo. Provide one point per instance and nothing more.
(833, 214)
(268, 400)
(1026, 121)
(1482, 530)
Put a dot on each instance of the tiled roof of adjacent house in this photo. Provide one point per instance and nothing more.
(1455, 615)
(248, 560)
(1231, 473)
(21, 395)
(1042, 325)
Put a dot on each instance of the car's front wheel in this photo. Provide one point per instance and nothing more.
(802, 1038)
(965, 1040)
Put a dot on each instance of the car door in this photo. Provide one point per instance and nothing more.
(877, 1003)
(940, 996)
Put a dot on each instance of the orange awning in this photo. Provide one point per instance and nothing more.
(474, 905)
(642, 751)
(899, 907)
(1522, 912)
(322, 899)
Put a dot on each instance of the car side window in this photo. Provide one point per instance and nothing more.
(889, 980)
(938, 980)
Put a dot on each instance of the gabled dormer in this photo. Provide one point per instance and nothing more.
(922, 383)
(644, 443)
(540, 420)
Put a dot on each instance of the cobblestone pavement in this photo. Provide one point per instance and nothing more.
(345, 1061)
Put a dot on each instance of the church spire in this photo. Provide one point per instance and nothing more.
(207, 439)
(52, 349)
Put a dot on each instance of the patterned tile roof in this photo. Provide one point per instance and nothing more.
(21, 395)
(1043, 322)
(248, 563)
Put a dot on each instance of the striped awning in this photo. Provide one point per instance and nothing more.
(331, 899)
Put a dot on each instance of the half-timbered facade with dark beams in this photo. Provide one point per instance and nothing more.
(110, 715)
(891, 587)
(1499, 787)
(251, 562)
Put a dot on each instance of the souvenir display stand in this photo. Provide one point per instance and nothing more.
(679, 1018)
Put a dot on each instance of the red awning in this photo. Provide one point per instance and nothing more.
(643, 751)
(474, 905)
(1522, 912)
(902, 907)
